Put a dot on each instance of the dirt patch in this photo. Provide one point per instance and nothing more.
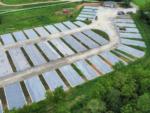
(79, 6)
(92, 4)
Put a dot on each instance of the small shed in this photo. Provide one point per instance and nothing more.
(66, 11)
(110, 4)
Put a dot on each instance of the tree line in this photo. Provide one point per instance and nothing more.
(144, 12)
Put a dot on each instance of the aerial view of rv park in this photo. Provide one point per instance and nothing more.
(74, 56)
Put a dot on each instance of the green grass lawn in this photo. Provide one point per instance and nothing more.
(140, 3)
(35, 17)
(125, 90)
(23, 1)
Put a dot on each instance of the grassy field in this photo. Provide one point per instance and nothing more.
(23, 1)
(140, 3)
(35, 17)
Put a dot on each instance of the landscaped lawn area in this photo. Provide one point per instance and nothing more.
(140, 2)
(36, 17)
(23, 1)
(125, 90)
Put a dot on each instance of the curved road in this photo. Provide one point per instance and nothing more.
(104, 22)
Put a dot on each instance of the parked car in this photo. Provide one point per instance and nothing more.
(121, 13)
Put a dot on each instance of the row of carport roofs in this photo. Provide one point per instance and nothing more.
(130, 36)
(54, 49)
(14, 94)
(88, 12)
(127, 38)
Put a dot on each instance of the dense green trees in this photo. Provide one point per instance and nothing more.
(123, 91)
(0, 20)
(143, 103)
(144, 12)
(127, 3)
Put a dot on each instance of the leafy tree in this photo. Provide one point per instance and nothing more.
(109, 112)
(143, 103)
(127, 109)
(118, 65)
(129, 89)
(99, 91)
(113, 100)
(127, 3)
(59, 95)
(145, 85)
(95, 106)
(61, 108)
(119, 80)
(0, 19)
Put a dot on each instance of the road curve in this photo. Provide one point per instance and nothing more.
(104, 22)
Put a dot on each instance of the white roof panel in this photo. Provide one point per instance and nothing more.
(80, 18)
(70, 25)
(35, 55)
(79, 23)
(124, 21)
(133, 42)
(131, 51)
(30, 33)
(61, 26)
(87, 41)
(14, 96)
(19, 36)
(13, 92)
(123, 55)
(87, 16)
(69, 39)
(62, 47)
(96, 37)
(89, 10)
(124, 16)
(75, 45)
(7, 39)
(91, 7)
(88, 13)
(54, 81)
(130, 30)
(100, 64)
(71, 75)
(86, 69)
(46, 48)
(41, 31)
(5, 67)
(33, 52)
(131, 35)
(51, 29)
(35, 89)
(33, 84)
(110, 57)
(125, 25)
(84, 39)
(90, 33)
(4, 64)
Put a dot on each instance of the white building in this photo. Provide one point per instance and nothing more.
(110, 4)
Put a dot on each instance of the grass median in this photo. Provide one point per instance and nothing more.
(37, 17)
